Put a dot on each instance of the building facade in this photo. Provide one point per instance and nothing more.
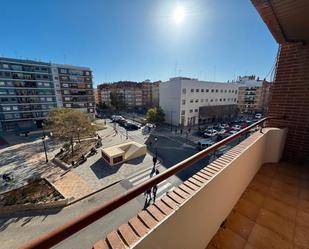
(184, 100)
(253, 95)
(29, 89)
(129, 95)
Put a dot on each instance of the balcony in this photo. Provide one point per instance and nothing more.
(234, 195)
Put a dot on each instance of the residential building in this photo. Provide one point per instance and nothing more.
(29, 89)
(75, 87)
(253, 95)
(187, 101)
(130, 95)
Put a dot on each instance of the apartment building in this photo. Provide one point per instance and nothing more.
(129, 95)
(74, 88)
(187, 101)
(29, 89)
(253, 95)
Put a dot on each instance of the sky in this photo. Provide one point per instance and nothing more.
(214, 40)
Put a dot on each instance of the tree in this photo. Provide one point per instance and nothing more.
(117, 100)
(69, 125)
(155, 115)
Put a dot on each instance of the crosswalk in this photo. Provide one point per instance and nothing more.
(144, 175)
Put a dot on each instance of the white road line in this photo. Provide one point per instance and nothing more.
(139, 176)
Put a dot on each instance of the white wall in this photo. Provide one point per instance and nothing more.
(169, 100)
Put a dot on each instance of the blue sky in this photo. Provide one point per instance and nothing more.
(140, 39)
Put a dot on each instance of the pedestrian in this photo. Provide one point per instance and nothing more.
(181, 131)
(157, 172)
(154, 160)
(154, 192)
(127, 136)
(148, 198)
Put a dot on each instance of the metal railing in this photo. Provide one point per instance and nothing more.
(62, 232)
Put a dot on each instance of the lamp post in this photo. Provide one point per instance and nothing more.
(44, 145)
(156, 141)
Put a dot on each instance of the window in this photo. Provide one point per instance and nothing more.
(49, 99)
(225, 91)
(2, 83)
(206, 100)
(67, 98)
(183, 101)
(62, 70)
(191, 100)
(40, 84)
(196, 101)
(42, 99)
(6, 108)
(8, 116)
(207, 90)
(230, 91)
(197, 90)
(216, 100)
(196, 110)
(191, 110)
(17, 67)
(184, 90)
(235, 91)
(202, 90)
(183, 112)
(217, 90)
(6, 66)
(212, 90)
(211, 100)
(224, 99)
(15, 108)
(87, 73)
(192, 90)
(66, 92)
(220, 100)
(12, 92)
(56, 78)
(46, 84)
(65, 85)
(68, 105)
(202, 100)
(221, 91)
(234, 100)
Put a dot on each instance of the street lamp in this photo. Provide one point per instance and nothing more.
(156, 141)
(43, 139)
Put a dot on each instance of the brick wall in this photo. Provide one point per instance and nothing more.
(290, 97)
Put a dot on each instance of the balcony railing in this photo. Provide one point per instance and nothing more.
(59, 234)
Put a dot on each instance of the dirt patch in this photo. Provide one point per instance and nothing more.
(39, 191)
(80, 149)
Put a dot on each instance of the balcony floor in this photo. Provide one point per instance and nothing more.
(273, 212)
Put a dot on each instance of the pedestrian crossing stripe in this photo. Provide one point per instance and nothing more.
(137, 179)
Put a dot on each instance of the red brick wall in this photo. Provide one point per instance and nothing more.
(290, 97)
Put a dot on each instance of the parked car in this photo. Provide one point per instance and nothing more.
(231, 132)
(222, 131)
(258, 116)
(116, 118)
(210, 133)
(236, 127)
(204, 143)
(224, 126)
(131, 126)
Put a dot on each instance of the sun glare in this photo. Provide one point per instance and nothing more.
(179, 14)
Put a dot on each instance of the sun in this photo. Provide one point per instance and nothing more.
(179, 14)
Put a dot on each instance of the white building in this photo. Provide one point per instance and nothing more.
(182, 99)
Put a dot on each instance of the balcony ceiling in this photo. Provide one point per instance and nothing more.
(287, 20)
(293, 17)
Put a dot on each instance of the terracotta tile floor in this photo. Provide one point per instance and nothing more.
(273, 212)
